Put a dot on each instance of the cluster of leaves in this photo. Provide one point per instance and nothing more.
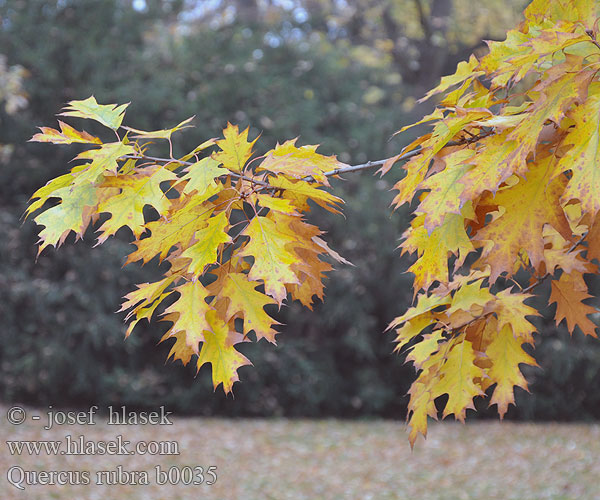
(233, 235)
(506, 189)
(508, 174)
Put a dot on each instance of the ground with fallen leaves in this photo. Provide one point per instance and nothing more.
(326, 459)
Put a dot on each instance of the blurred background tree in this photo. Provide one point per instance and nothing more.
(345, 75)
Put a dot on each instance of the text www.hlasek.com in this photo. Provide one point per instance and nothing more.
(80, 446)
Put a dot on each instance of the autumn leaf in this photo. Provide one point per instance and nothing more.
(104, 161)
(200, 177)
(514, 229)
(457, 379)
(208, 239)
(136, 191)
(244, 300)
(299, 162)
(506, 353)
(568, 292)
(66, 135)
(73, 213)
(218, 350)
(184, 218)
(160, 134)
(272, 259)
(433, 249)
(583, 156)
(236, 150)
(189, 313)
(109, 115)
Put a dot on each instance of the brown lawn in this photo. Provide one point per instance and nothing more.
(327, 459)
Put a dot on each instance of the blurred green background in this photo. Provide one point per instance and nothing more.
(345, 75)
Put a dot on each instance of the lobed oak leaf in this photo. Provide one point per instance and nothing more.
(160, 134)
(468, 303)
(66, 135)
(109, 115)
(445, 190)
(491, 151)
(246, 302)
(464, 70)
(277, 204)
(176, 228)
(506, 353)
(299, 192)
(137, 190)
(421, 405)
(510, 309)
(433, 249)
(411, 328)
(189, 313)
(201, 176)
(457, 378)
(568, 292)
(218, 350)
(73, 213)
(584, 154)
(545, 43)
(54, 188)
(299, 162)
(180, 350)
(425, 304)
(421, 351)
(208, 239)
(272, 259)
(525, 208)
(554, 96)
(236, 150)
(558, 253)
(104, 160)
(144, 301)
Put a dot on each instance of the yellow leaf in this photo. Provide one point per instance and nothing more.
(137, 190)
(73, 213)
(468, 302)
(411, 329)
(67, 135)
(456, 378)
(104, 160)
(201, 177)
(299, 192)
(445, 190)
(299, 162)
(506, 353)
(272, 259)
(526, 208)
(144, 301)
(247, 302)
(204, 252)
(160, 134)
(433, 249)
(583, 157)
(422, 350)
(218, 350)
(177, 228)
(236, 150)
(465, 70)
(510, 308)
(109, 115)
(189, 313)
